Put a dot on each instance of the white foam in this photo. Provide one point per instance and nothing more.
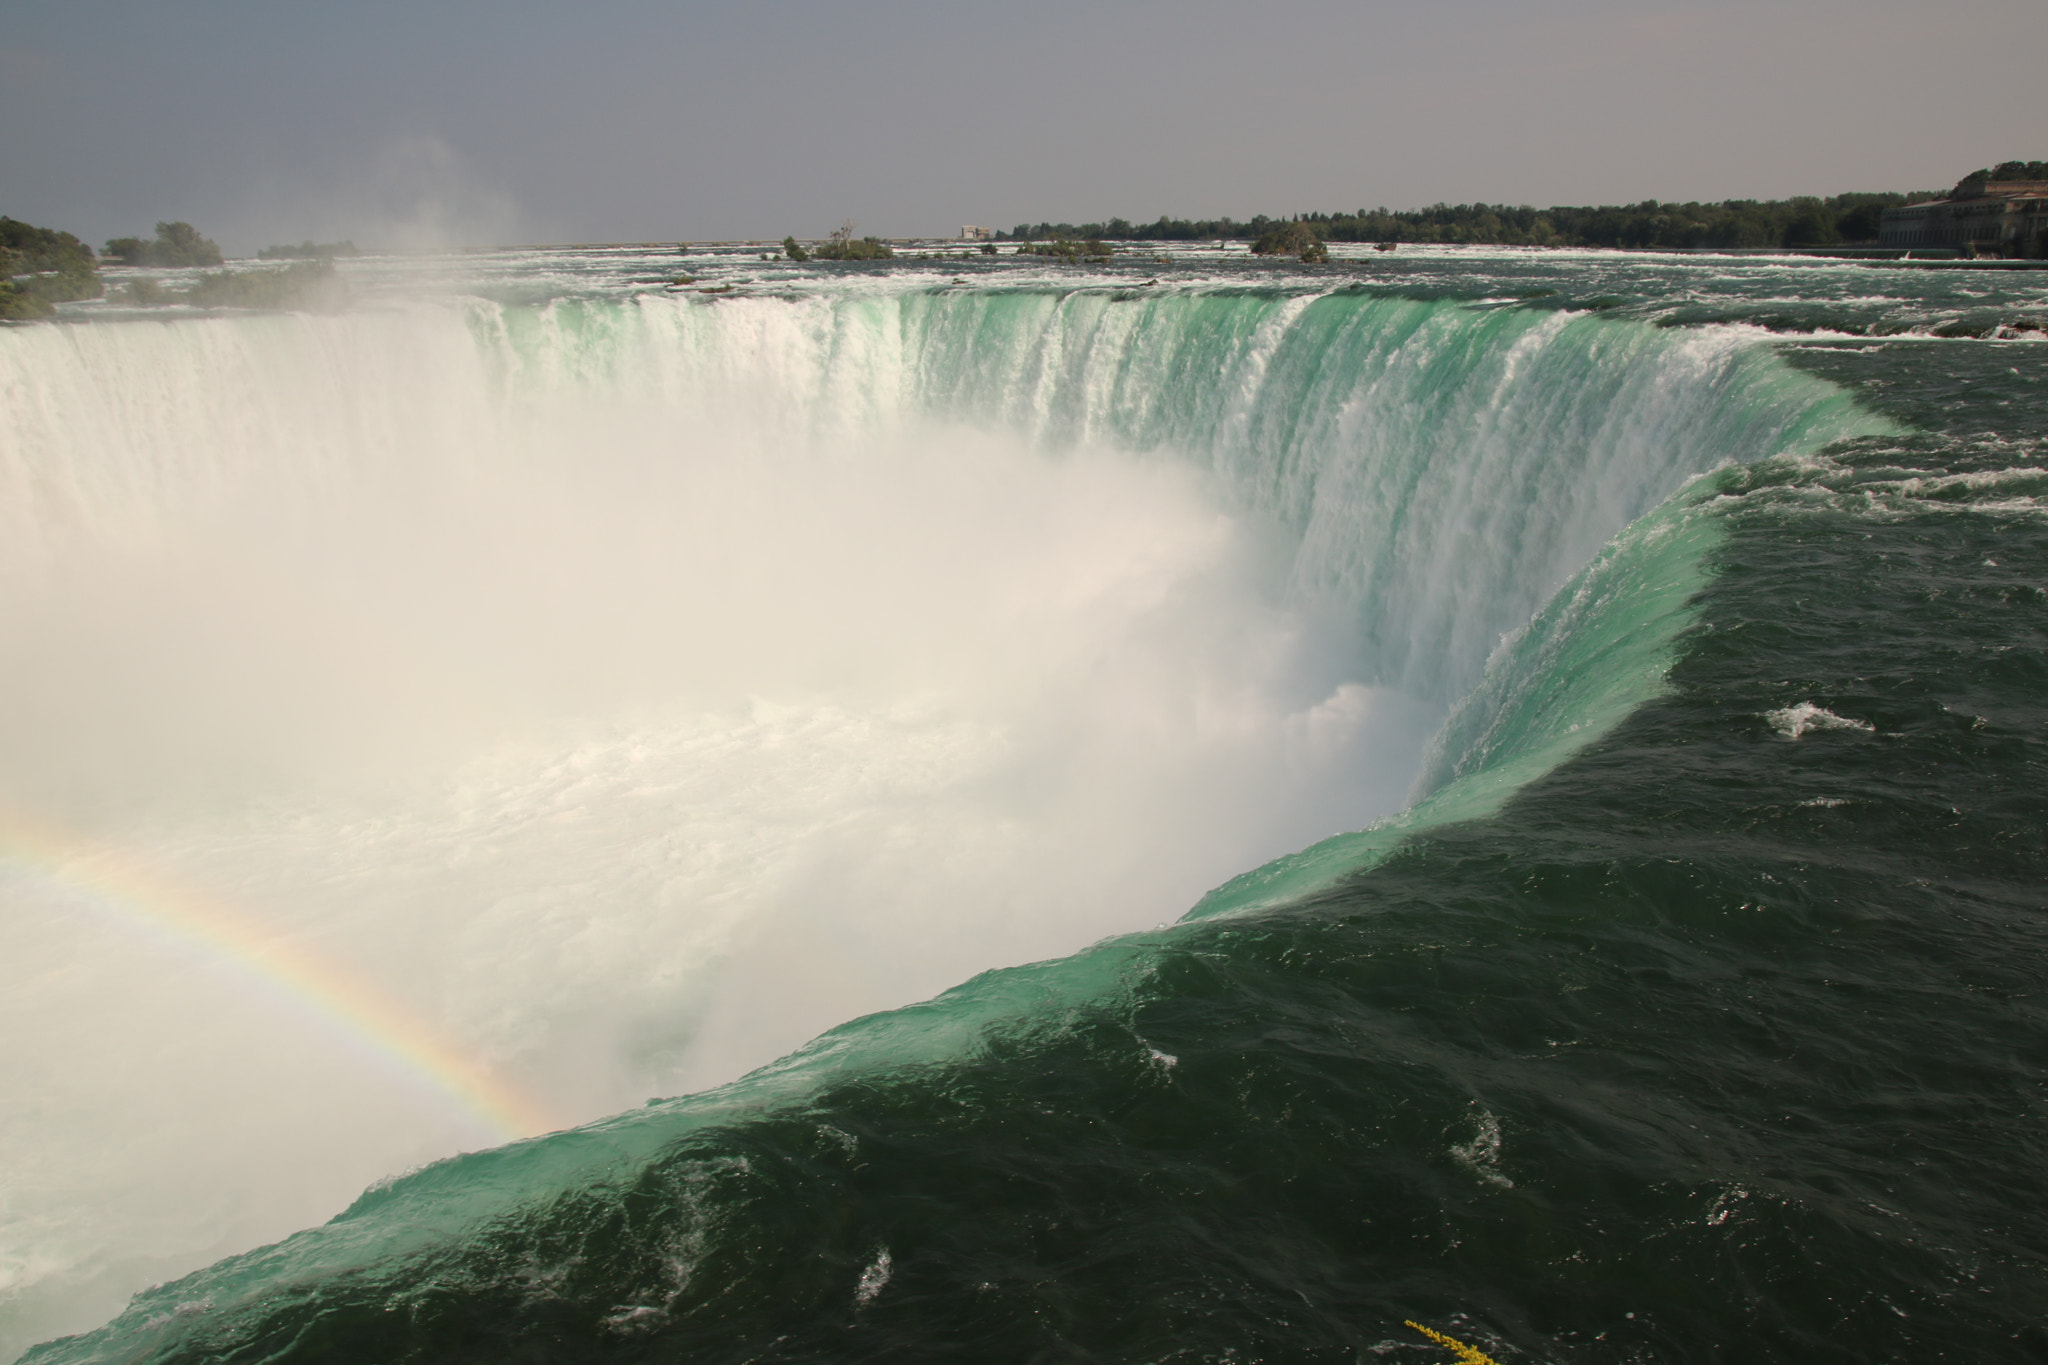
(1793, 722)
(629, 742)
(1481, 1155)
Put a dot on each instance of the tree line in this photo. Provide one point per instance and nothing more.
(1807, 221)
(41, 268)
(175, 245)
(842, 245)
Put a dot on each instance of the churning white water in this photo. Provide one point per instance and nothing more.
(628, 740)
(594, 701)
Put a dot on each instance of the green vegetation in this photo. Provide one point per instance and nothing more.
(865, 249)
(1068, 249)
(793, 250)
(1292, 239)
(18, 304)
(310, 285)
(145, 293)
(307, 251)
(41, 268)
(1121, 230)
(1973, 183)
(1806, 221)
(843, 246)
(176, 244)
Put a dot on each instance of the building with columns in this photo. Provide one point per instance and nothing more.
(1980, 217)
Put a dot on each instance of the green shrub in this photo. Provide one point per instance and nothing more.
(844, 246)
(864, 249)
(176, 245)
(146, 293)
(19, 305)
(307, 285)
(1291, 239)
(1068, 249)
(41, 267)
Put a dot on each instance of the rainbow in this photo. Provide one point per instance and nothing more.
(339, 1000)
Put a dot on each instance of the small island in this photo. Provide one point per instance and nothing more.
(1292, 239)
(176, 245)
(1062, 247)
(842, 245)
(41, 268)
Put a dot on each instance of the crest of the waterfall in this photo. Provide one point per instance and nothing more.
(631, 691)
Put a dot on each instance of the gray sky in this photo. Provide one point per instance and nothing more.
(417, 122)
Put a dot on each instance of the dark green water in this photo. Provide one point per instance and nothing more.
(1723, 1040)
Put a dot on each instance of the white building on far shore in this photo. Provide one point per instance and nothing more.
(1999, 217)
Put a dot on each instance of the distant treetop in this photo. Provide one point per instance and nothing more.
(1805, 221)
(844, 246)
(1292, 239)
(2014, 170)
(53, 267)
(176, 244)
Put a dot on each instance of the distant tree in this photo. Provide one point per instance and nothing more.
(793, 250)
(843, 246)
(1297, 238)
(144, 292)
(181, 244)
(1068, 249)
(41, 268)
(1649, 224)
(1062, 248)
(308, 285)
(176, 245)
(2016, 170)
(19, 304)
(1812, 224)
(1857, 216)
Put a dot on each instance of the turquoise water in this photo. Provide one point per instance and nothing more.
(1687, 1010)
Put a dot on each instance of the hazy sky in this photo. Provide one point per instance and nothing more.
(459, 121)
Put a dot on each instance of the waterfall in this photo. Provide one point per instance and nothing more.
(623, 693)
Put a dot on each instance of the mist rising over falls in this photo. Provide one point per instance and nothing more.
(632, 691)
